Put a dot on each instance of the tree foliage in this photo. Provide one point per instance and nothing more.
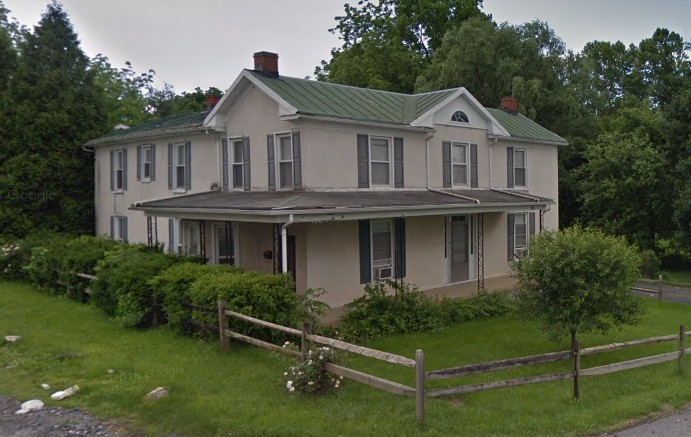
(576, 281)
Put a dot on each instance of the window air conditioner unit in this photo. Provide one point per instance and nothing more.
(382, 272)
(521, 253)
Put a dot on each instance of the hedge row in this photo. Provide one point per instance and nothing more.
(141, 288)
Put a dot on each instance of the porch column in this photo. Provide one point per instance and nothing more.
(480, 252)
(202, 238)
(149, 233)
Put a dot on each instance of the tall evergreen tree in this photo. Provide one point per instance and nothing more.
(47, 178)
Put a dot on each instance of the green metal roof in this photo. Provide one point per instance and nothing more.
(520, 126)
(189, 121)
(352, 103)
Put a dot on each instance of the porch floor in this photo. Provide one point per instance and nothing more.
(463, 290)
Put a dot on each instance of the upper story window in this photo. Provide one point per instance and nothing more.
(285, 161)
(459, 163)
(236, 163)
(380, 161)
(517, 167)
(459, 117)
(180, 166)
(146, 162)
(118, 170)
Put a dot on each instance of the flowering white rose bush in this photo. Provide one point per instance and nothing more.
(311, 376)
(10, 265)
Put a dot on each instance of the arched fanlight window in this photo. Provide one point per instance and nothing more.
(460, 117)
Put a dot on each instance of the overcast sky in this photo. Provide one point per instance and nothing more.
(205, 43)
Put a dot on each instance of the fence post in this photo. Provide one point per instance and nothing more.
(682, 349)
(659, 287)
(222, 325)
(305, 344)
(420, 385)
(577, 369)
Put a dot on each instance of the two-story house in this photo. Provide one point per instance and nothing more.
(338, 185)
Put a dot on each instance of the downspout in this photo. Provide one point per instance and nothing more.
(284, 244)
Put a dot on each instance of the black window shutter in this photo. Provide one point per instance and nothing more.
(152, 170)
(365, 252)
(123, 231)
(170, 166)
(362, 161)
(511, 218)
(297, 162)
(171, 235)
(399, 248)
(509, 167)
(473, 165)
(531, 223)
(112, 170)
(188, 165)
(224, 160)
(272, 161)
(446, 163)
(139, 163)
(112, 226)
(124, 169)
(246, 163)
(398, 162)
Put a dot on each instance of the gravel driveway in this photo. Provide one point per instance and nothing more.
(50, 422)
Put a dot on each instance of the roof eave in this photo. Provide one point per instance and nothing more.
(142, 136)
(313, 117)
(528, 140)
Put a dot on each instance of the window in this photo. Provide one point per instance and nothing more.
(517, 165)
(382, 249)
(190, 239)
(118, 228)
(285, 161)
(380, 161)
(236, 163)
(521, 227)
(285, 167)
(118, 170)
(459, 163)
(236, 167)
(179, 166)
(459, 117)
(146, 162)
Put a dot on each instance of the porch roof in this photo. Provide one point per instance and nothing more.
(313, 206)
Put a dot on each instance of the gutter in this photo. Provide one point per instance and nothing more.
(512, 193)
(528, 140)
(313, 117)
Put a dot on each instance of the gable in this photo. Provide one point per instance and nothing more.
(476, 119)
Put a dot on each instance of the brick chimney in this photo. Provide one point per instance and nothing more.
(267, 63)
(211, 101)
(509, 104)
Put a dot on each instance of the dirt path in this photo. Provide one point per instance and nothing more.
(50, 422)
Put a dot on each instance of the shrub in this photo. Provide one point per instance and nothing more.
(256, 294)
(44, 266)
(173, 285)
(483, 306)
(124, 288)
(311, 377)
(650, 264)
(390, 308)
(17, 255)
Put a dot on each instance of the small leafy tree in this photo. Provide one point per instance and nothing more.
(577, 280)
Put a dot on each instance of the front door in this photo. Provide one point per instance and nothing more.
(225, 244)
(459, 248)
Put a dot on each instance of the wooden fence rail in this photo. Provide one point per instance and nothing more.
(421, 376)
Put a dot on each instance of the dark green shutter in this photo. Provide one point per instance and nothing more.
(362, 161)
(112, 227)
(399, 248)
(139, 163)
(365, 252)
(446, 163)
(188, 165)
(123, 231)
(171, 235)
(398, 162)
(124, 169)
(510, 220)
(509, 167)
(531, 223)
(170, 166)
(473, 165)
(272, 161)
(152, 170)
(297, 162)
(246, 163)
(224, 159)
(112, 170)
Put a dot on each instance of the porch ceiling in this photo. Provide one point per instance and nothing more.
(316, 206)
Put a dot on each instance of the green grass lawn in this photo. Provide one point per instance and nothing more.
(677, 277)
(241, 393)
